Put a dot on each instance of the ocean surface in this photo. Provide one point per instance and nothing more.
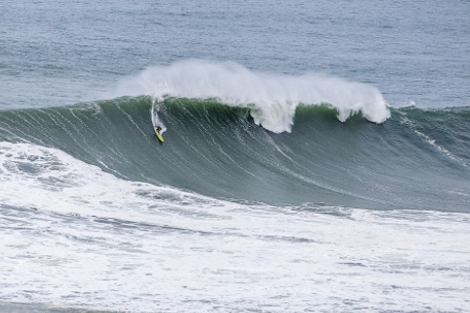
(316, 156)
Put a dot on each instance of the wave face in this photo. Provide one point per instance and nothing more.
(417, 159)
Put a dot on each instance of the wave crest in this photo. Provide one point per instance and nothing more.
(273, 98)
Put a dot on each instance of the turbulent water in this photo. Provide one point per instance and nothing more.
(316, 158)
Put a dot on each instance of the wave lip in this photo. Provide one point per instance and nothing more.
(273, 98)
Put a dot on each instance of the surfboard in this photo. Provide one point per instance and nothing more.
(159, 136)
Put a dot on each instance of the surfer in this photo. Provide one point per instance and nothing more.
(157, 132)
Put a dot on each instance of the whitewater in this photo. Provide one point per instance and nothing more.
(82, 237)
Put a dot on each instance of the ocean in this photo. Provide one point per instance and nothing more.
(316, 156)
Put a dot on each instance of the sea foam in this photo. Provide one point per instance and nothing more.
(272, 97)
(122, 245)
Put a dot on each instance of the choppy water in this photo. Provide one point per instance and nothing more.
(316, 157)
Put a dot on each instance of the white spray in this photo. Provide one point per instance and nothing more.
(273, 97)
(154, 114)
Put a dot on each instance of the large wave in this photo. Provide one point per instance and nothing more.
(417, 159)
(273, 98)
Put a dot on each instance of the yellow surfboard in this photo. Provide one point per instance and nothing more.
(159, 136)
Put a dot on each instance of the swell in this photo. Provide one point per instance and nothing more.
(418, 159)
